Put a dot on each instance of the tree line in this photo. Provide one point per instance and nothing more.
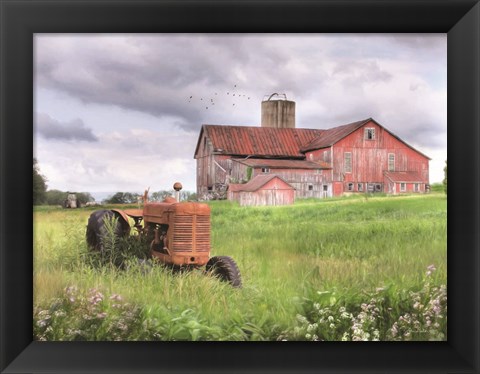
(132, 198)
(43, 196)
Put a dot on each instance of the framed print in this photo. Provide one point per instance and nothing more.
(33, 41)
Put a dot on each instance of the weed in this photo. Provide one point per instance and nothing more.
(343, 248)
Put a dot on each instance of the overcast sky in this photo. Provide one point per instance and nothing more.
(113, 112)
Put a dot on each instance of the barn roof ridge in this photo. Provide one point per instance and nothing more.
(334, 134)
(259, 143)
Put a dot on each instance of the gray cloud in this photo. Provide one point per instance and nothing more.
(157, 74)
(357, 73)
(50, 128)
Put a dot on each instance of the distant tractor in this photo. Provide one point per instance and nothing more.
(71, 201)
(178, 234)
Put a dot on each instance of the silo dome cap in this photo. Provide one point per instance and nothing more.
(278, 96)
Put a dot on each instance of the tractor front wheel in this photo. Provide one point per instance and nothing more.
(226, 269)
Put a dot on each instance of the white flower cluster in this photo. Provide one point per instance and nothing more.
(423, 319)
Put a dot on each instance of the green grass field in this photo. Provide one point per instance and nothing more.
(354, 268)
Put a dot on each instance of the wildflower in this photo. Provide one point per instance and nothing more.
(316, 306)
(301, 318)
(59, 313)
(430, 270)
(308, 336)
(41, 323)
(332, 326)
(71, 290)
(96, 297)
(330, 319)
(394, 329)
(101, 315)
(116, 297)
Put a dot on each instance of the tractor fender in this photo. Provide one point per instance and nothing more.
(123, 219)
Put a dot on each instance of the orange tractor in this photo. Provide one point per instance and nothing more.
(178, 234)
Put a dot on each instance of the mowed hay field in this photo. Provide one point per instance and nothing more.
(353, 268)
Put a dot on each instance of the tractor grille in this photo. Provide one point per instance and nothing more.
(191, 233)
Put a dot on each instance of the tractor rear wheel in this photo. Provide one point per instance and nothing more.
(225, 268)
(97, 230)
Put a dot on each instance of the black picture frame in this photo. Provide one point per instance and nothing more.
(20, 19)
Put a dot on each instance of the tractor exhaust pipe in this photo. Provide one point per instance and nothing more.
(177, 187)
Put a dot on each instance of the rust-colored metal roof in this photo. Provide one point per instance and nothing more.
(258, 141)
(283, 164)
(256, 183)
(404, 176)
(333, 135)
(278, 143)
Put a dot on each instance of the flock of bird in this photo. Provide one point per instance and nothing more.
(209, 102)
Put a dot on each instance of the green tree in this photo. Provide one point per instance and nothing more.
(117, 198)
(123, 198)
(39, 185)
(445, 179)
(84, 197)
(55, 197)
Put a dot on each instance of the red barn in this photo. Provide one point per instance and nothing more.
(359, 157)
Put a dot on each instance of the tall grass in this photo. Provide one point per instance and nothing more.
(289, 257)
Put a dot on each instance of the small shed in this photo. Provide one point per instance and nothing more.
(263, 190)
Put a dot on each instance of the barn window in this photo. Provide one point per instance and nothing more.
(378, 187)
(265, 170)
(369, 134)
(349, 186)
(348, 162)
(391, 162)
(416, 187)
(325, 156)
(310, 187)
(403, 186)
(360, 187)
